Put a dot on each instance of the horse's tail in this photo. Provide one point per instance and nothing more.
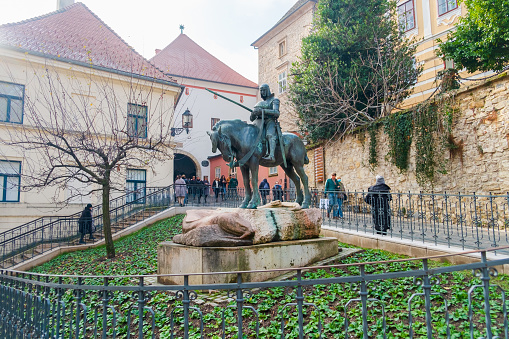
(306, 160)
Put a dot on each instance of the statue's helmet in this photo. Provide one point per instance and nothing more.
(265, 91)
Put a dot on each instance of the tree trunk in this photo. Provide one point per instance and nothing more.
(110, 247)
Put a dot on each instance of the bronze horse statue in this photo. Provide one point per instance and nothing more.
(235, 139)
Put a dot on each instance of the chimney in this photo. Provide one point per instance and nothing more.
(157, 51)
(64, 3)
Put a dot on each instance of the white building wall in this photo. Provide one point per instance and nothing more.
(203, 106)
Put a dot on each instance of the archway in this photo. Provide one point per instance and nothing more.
(183, 164)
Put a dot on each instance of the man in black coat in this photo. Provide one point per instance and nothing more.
(85, 223)
(378, 197)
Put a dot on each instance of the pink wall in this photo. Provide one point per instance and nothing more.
(263, 173)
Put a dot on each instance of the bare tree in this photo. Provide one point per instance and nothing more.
(84, 125)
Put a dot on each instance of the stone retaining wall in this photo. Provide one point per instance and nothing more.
(482, 125)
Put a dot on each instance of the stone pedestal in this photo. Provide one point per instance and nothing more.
(174, 258)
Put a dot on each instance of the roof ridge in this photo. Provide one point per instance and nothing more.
(170, 47)
(39, 17)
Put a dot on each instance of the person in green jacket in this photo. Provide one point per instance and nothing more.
(331, 191)
(232, 186)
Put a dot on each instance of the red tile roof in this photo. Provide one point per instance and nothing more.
(185, 58)
(76, 34)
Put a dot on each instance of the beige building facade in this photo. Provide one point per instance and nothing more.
(278, 48)
(43, 89)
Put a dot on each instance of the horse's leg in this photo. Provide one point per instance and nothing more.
(247, 187)
(253, 167)
(304, 178)
(290, 172)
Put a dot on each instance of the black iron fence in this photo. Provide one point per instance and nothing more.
(347, 301)
(468, 221)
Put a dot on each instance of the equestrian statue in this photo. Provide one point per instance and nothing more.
(250, 145)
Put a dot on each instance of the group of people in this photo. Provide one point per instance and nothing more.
(193, 188)
(277, 191)
(378, 197)
(225, 187)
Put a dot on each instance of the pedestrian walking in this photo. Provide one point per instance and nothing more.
(232, 186)
(85, 223)
(180, 190)
(206, 188)
(378, 197)
(341, 196)
(187, 188)
(199, 189)
(264, 189)
(277, 191)
(216, 186)
(331, 191)
(193, 187)
(223, 183)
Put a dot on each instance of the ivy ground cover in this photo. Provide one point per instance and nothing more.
(137, 254)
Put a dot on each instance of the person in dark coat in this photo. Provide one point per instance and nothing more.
(378, 197)
(199, 189)
(223, 183)
(232, 186)
(264, 189)
(277, 192)
(206, 188)
(85, 223)
(216, 186)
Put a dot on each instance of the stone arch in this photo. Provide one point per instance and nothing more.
(185, 159)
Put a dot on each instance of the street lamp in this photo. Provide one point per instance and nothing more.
(187, 123)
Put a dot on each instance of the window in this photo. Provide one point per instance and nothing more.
(214, 121)
(217, 172)
(282, 82)
(10, 180)
(445, 6)
(282, 48)
(11, 102)
(406, 16)
(137, 121)
(272, 171)
(136, 184)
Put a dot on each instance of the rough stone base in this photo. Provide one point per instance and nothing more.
(174, 258)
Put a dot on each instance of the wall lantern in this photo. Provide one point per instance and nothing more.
(187, 123)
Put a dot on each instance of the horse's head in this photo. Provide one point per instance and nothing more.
(214, 139)
(221, 141)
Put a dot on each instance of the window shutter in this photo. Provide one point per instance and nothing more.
(319, 164)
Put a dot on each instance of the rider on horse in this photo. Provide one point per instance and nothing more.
(270, 108)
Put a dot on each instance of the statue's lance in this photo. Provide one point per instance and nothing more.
(250, 153)
(230, 100)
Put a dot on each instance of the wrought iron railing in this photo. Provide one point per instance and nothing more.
(50, 306)
(468, 221)
(44, 234)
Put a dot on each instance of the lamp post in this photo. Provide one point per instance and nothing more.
(187, 123)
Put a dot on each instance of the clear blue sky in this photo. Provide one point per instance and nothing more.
(225, 28)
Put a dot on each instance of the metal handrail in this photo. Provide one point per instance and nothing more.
(70, 220)
(77, 214)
